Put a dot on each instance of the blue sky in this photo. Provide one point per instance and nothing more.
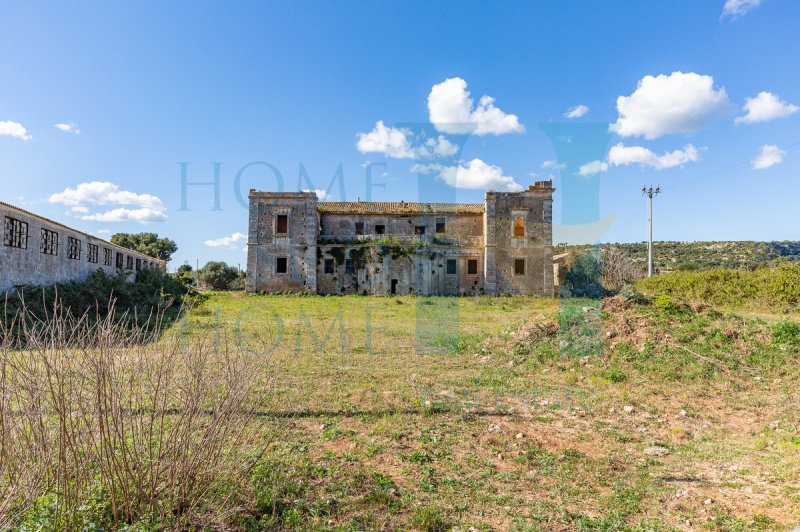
(151, 85)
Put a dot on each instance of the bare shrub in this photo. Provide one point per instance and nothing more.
(618, 269)
(105, 425)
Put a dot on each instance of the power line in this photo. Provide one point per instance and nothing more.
(649, 192)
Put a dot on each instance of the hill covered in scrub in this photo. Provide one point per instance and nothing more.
(668, 256)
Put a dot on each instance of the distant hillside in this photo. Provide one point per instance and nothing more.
(705, 255)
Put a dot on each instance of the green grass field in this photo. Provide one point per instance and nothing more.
(515, 413)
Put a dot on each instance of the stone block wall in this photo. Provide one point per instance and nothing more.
(23, 260)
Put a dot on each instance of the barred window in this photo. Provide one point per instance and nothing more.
(129, 263)
(15, 233)
(472, 266)
(73, 248)
(107, 257)
(49, 244)
(451, 267)
(91, 252)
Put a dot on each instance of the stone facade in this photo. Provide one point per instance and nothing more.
(503, 246)
(39, 251)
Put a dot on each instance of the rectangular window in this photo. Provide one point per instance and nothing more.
(107, 257)
(129, 262)
(472, 266)
(519, 266)
(138, 264)
(281, 265)
(92, 252)
(451, 267)
(348, 267)
(380, 229)
(120, 260)
(359, 228)
(441, 225)
(73, 248)
(49, 243)
(519, 226)
(329, 266)
(419, 229)
(15, 233)
(281, 224)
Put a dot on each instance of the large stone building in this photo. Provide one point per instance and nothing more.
(39, 251)
(501, 246)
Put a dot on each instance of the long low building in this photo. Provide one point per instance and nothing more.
(39, 251)
(501, 246)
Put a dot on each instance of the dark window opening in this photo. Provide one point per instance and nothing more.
(451, 267)
(349, 267)
(472, 267)
(138, 264)
(282, 224)
(329, 266)
(519, 266)
(49, 244)
(92, 252)
(359, 228)
(281, 265)
(394, 286)
(129, 263)
(441, 226)
(15, 233)
(419, 229)
(107, 257)
(73, 248)
(519, 226)
(120, 260)
(380, 229)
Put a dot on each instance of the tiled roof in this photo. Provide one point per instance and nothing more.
(401, 207)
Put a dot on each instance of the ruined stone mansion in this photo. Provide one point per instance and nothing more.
(501, 246)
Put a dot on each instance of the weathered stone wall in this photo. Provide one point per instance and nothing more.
(534, 247)
(29, 265)
(298, 245)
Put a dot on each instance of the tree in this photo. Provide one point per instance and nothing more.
(216, 275)
(184, 274)
(147, 243)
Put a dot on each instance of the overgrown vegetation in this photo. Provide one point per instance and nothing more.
(776, 288)
(147, 243)
(217, 275)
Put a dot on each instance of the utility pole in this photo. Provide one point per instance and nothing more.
(649, 192)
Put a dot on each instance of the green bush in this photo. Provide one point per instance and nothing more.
(786, 333)
(632, 295)
(775, 288)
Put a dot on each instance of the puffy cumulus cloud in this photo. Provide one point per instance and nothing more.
(768, 155)
(451, 110)
(390, 141)
(67, 127)
(664, 104)
(146, 207)
(621, 155)
(438, 147)
(14, 129)
(576, 112)
(737, 8)
(142, 216)
(764, 107)
(227, 242)
(592, 168)
(473, 174)
(322, 195)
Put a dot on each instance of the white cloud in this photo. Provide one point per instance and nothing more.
(227, 242)
(14, 129)
(620, 155)
(322, 195)
(67, 127)
(594, 167)
(576, 112)
(147, 208)
(737, 8)
(440, 147)
(474, 174)
(769, 155)
(142, 216)
(552, 164)
(103, 232)
(764, 107)
(664, 104)
(387, 140)
(451, 110)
